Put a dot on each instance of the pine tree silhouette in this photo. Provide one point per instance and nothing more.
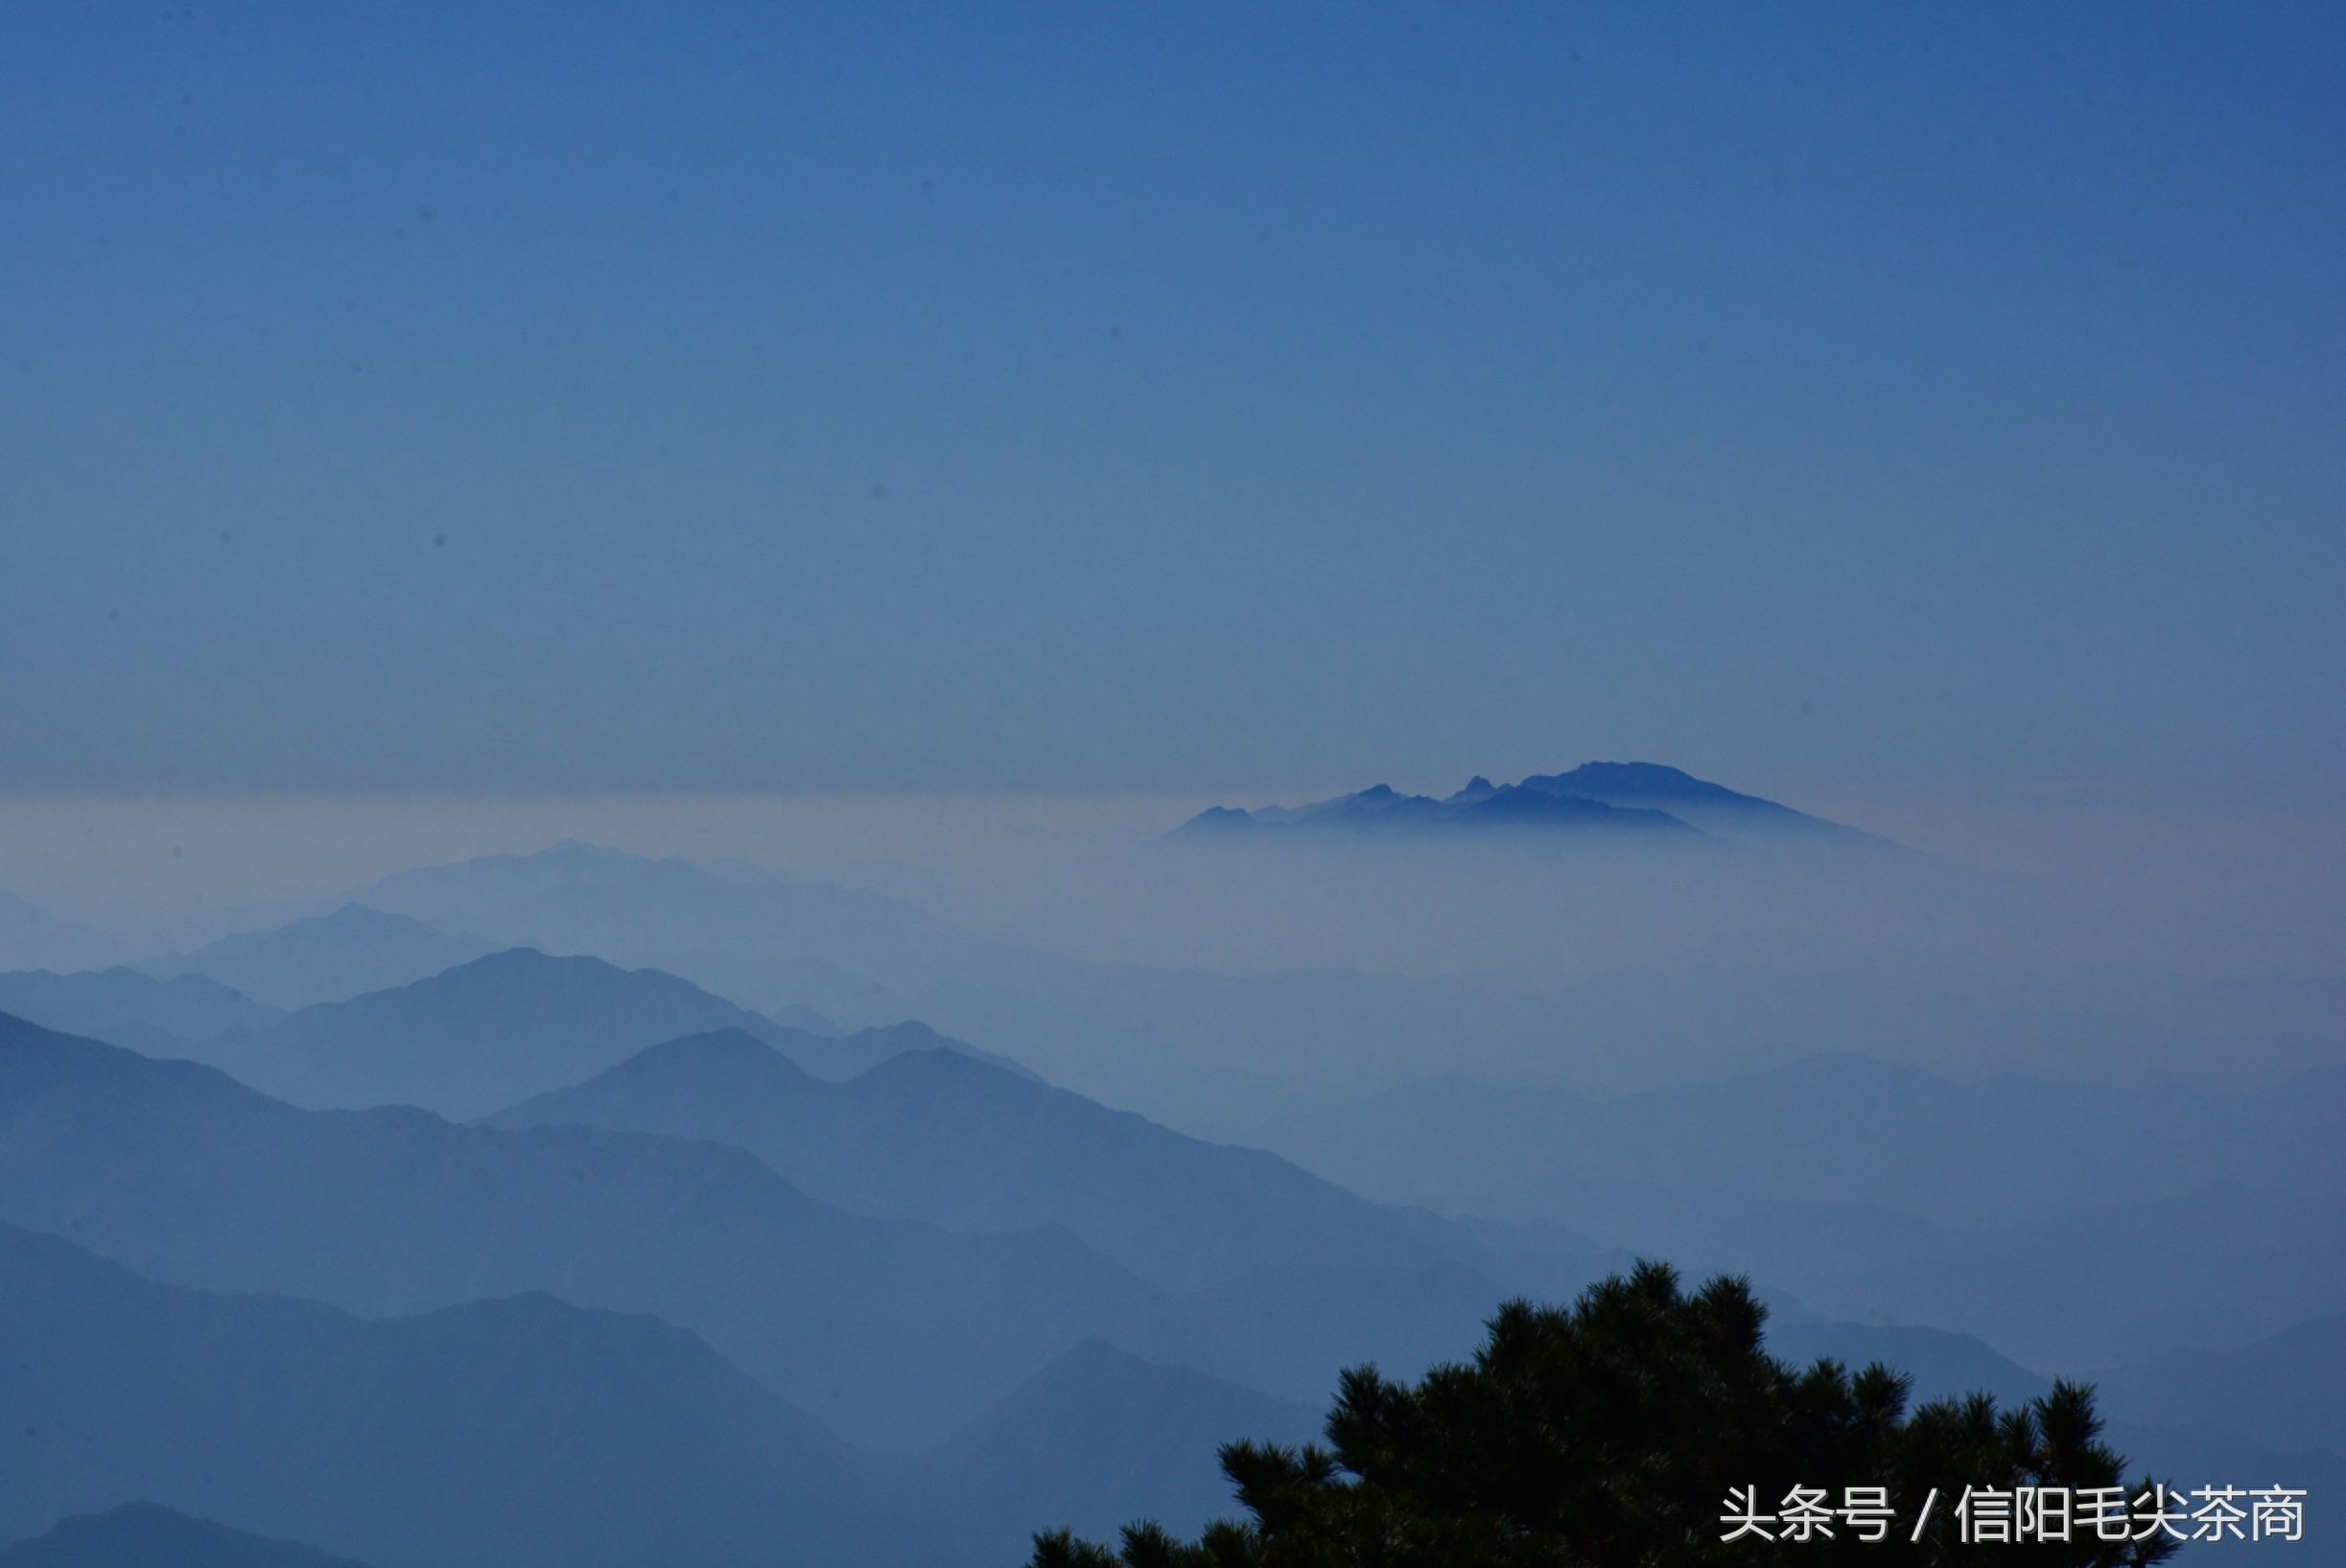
(1613, 1434)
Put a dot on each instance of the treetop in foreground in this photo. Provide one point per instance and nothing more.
(1648, 1427)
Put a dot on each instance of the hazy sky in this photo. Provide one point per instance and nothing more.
(1182, 398)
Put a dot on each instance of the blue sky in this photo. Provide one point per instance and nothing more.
(1184, 398)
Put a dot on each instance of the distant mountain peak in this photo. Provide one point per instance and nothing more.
(714, 1044)
(352, 949)
(1655, 779)
(1382, 810)
(582, 849)
(352, 912)
(481, 1034)
(524, 962)
(910, 1035)
(938, 1064)
(356, 916)
(1651, 800)
(522, 956)
(142, 1532)
(732, 1050)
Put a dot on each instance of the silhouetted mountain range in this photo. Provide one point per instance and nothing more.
(130, 1008)
(889, 1330)
(326, 958)
(482, 1034)
(1613, 799)
(624, 1196)
(151, 1535)
(892, 1331)
(1214, 1047)
(477, 1036)
(943, 1136)
(498, 1433)
(1380, 809)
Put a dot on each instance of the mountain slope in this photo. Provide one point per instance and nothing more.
(151, 1535)
(326, 958)
(477, 1036)
(2283, 1388)
(840, 1056)
(484, 1033)
(504, 1433)
(890, 1331)
(1094, 1441)
(126, 1007)
(943, 1136)
(1874, 1190)
(1712, 808)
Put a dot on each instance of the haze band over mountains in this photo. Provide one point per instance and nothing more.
(674, 1204)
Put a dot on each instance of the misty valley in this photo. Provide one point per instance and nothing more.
(566, 1205)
